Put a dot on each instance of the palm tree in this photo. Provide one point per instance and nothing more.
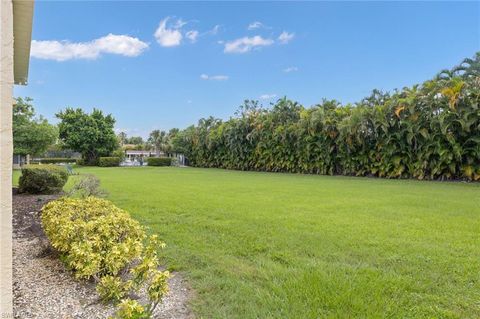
(159, 140)
(469, 67)
(122, 137)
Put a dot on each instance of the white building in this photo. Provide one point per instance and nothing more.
(137, 154)
(15, 38)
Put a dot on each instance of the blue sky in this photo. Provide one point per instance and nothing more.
(163, 65)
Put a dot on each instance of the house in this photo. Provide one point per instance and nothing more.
(137, 154)
(15, 39)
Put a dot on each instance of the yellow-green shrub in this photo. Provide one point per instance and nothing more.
(131, 309)
(98, 240)
(113, 288)
(157, 288)
(95, 237)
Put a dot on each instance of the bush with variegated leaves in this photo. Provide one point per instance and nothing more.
(100, 241)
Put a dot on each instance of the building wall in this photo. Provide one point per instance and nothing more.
(6, 149)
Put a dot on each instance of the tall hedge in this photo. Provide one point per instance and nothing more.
(428, 131)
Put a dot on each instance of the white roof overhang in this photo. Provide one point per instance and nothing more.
(22, 38)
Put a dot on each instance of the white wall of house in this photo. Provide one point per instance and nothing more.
(6, 149)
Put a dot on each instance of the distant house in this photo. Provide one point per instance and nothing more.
(136, 154)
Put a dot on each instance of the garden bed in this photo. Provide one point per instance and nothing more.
(43, 288)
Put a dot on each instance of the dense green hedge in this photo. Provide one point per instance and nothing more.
(159, 161)
(82, 162)
(109, 161)
(55, 160)
(428, 131)
(42, 179)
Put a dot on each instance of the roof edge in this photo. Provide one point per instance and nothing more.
(22, 39)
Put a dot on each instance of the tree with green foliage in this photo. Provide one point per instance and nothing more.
(31, 135)
(92, 135)
(180, 140)
(135, 140)
(159, 140)
(122, 138)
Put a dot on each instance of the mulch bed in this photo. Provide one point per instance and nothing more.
(43, 288)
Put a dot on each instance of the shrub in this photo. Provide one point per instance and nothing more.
(131, 309)
(95, 237)
(112, 288)
(109, 161)
(175, 162)
(159, 161)
(42, 179)
(88, 185)
(119, 153)
(157, 288)
(54, 160)
(83, 162)
(98, 240)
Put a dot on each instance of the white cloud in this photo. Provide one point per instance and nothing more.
(290, 69)
(214, 30)
(170, 33)
(65, 50)
(255, 25)
(246, 44)
(267, 96)
(285, 37)
(214, 77)
(121, 44)
(179, 24)
(169, 37)
(192, 35)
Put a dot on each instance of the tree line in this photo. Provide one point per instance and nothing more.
(159, 141)
(427, 131)
(90, 134)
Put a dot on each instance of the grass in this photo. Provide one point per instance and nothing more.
(263, 245)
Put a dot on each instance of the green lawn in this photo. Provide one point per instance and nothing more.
(263, 245)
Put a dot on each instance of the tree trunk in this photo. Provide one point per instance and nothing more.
(91, 158)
